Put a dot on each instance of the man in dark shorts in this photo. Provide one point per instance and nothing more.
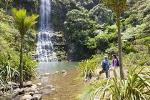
(105, 66)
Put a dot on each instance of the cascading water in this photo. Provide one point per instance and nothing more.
(45, 51)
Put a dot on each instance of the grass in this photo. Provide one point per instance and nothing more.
(136, 86)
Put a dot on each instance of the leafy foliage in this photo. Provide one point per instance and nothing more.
(135, 86)
(9, 49)
(80, 31)
(8, 73)
(138, 59)
(90, 64)
(23, 23)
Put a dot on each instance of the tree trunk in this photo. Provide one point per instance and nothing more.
(21, 63)
(120, 46)
(6, 7)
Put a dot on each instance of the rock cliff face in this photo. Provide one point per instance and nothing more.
(59, 45)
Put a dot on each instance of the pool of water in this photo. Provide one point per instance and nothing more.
(51, 67)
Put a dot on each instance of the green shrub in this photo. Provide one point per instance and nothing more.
(103, 40)
(29, 69)
(9, 49)
(135, 87)
(138, 59)
(90, 64)
(91, 43)
(132, 20)
(128, 48)
(8, 73)
(112, 50)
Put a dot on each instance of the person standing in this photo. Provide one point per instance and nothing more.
(115, 64)
(115, 61)
(105, 66)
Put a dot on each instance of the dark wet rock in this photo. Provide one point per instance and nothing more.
(7, 88)
(31, 93)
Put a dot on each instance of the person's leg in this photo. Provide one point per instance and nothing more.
(107, 75)
(102, 71)
(90, 75)
(115, 74)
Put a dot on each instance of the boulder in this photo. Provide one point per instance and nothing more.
(63, 71)
(26, 97)
(33, 88)
(39, 84)
(56, 72)
(53, 89)
(37, 92)
(13, 85)
(31, 93)
(28, 84)
(46, 74)
(19, 91)
(49, 86)
(1, 93)
(37, 97)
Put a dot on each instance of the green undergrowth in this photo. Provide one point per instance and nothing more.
(9, 51)
(136, 86)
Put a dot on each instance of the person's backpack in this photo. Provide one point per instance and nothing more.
(118, 64)
(105, 65)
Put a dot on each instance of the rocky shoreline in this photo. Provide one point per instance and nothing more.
(30, 90)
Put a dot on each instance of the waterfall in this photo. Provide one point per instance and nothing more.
(45, 51)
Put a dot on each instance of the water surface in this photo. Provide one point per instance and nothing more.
(52, 67)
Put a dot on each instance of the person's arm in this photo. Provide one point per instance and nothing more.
(115, 62)
(102, 64)
(112, 63)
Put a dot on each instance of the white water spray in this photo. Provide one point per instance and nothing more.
(45, 51)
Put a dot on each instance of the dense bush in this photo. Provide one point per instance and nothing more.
(139, 59)
(80, 30)
(135, 86)
(29, 67)
(128, 48)
(9, 48)
(103, 40)
(90, 65)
